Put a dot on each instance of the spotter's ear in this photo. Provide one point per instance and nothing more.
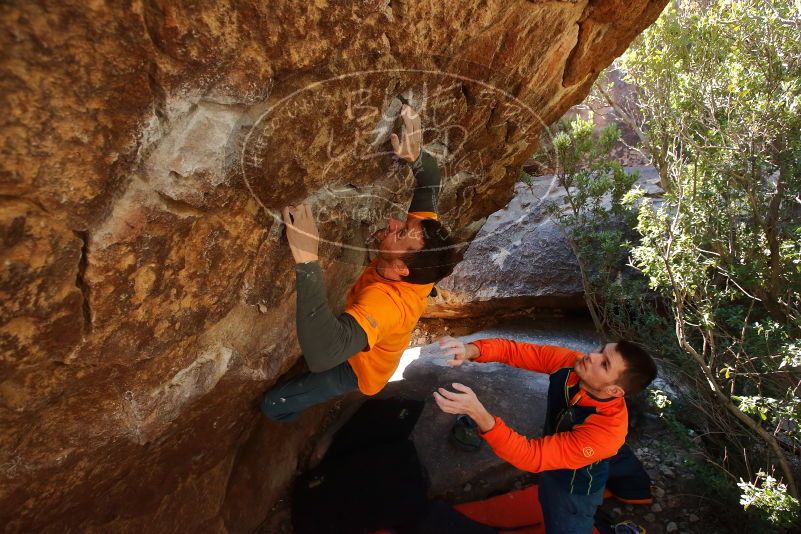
(615, 391)
(400, 268)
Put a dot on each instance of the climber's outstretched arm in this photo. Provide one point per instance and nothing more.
(328, 340)
(325, 339)
(424, 166)
(426, 193)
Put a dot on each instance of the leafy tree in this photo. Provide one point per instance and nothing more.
(719, 90)
(595, 221)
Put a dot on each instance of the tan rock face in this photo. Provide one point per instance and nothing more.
(147, 295)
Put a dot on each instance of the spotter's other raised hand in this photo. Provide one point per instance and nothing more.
(464, 401)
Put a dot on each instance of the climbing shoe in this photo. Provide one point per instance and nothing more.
(629, 527)
(465, 434)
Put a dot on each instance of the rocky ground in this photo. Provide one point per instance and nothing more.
(676, 507)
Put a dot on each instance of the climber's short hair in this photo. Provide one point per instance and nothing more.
(436, 259)
(640, 367)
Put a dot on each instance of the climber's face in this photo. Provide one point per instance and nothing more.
(400, 238)
(600, 371)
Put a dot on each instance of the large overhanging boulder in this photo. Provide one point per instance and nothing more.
(146, 298)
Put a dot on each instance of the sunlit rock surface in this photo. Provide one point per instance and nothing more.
(521, 258)
(146, 295)
(515, 395)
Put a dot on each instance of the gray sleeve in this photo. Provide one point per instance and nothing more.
(326, 340)
(429, 182)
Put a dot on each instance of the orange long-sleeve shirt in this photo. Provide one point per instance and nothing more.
(597, 438)
(387, 311)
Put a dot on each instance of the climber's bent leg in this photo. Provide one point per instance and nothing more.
(285, 401)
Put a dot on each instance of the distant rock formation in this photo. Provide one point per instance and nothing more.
(520, 258)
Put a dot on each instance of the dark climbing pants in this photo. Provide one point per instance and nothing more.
(564, 512)
(285, 401)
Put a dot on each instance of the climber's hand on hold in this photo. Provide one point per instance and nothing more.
(301, 232)
(410, 146)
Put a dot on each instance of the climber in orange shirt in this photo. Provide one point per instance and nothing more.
(361, 347)
(585, 423)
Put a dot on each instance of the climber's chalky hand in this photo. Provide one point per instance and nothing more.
(409, 147)
(301, 232)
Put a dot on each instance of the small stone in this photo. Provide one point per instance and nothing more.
(694, 518)
(671, 527)
(629, 508)
(617, 511)
(667, 471)
(656, 507)
(649, 517)
(658, 492)
(467, 487)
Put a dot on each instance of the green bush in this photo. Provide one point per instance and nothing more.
(718, 85)
(719, 88)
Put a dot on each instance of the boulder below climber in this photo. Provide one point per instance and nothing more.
(516, 395)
